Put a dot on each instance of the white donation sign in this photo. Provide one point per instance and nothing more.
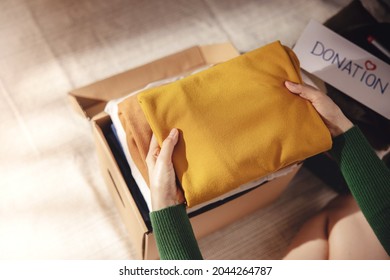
(345, 66)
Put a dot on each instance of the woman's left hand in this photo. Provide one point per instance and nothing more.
(162, 177)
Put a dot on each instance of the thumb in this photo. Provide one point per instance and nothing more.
(168, 145)
(308, 92)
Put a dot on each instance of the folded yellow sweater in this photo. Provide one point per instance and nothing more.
(237, 122)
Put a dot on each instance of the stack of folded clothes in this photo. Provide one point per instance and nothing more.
(239, 126)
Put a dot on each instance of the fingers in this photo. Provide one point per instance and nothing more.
(165, 153)
(168, 145)
(308, 92)
(154, 150)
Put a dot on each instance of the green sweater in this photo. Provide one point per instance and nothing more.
(366, 175)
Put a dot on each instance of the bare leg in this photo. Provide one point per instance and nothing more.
(340, 231)
(350, 235)
(311, 241)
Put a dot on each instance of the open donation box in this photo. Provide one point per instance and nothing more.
(90, 102)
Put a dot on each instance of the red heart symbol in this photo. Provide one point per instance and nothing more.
(370, 65)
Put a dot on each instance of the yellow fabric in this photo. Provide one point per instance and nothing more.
(237, 122)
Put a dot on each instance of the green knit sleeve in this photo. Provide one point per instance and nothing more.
(174, 235)
(368, 179)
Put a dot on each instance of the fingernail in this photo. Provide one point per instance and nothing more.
(173, 132)
(291, 83)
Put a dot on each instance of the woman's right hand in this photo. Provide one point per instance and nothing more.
(331, 114)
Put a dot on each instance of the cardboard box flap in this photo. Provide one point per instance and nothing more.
(216, 53)
(91, 99)
(88, 107)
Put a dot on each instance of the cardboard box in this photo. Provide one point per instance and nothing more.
(90, 102)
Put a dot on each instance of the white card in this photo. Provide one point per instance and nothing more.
(345, 66)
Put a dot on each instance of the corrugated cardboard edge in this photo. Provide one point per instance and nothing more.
(117, 186)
